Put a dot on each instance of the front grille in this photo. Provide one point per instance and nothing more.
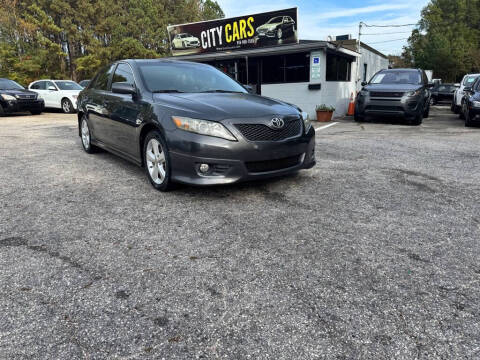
(386, 94)
(272, 165)
(384, 108)
(26, 97)
(260, 132)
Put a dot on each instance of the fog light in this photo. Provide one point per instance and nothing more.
(204, 168)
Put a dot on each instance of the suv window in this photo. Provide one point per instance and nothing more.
(123, 74)
(469, 80)
(39, 85)
(48, 84)
(101, 81)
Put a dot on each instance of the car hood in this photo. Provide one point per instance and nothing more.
(392, 87)
(268, 26)
(18, 92)
(191, 38)
(220, 106)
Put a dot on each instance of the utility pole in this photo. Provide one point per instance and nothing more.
(360, 24)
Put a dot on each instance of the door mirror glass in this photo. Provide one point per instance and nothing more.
(123, 88)
(364, 83)
(52, 88)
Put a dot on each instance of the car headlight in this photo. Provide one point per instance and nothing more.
(203, 127)
(8, 97)
(414, 93)
(476, 104)
(306, 121)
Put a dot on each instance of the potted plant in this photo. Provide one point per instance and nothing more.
(324, 112)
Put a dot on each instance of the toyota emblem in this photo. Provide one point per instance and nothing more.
(277, 123)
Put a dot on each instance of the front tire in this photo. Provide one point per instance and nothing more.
(426, 113)
(157, 161)
(67, 106)
(461, 113)
(86, 137)
(279, 34)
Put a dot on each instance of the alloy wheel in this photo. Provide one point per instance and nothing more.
(279, 33)
(66, 106)
(156, 163)
(85, 131)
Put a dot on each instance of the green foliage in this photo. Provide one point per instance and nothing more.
(324, 108)
(72, 39)
(448, 40)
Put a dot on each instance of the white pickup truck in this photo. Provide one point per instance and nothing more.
(458, 94)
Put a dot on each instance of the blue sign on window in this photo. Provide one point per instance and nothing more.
(316, 60)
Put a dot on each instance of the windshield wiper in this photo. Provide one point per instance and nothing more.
(221, 91)
(167, 91)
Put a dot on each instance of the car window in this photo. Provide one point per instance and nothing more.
(6, 84)
(123, 74)
(48, 84)
(35, 86)
(101, 81)
(68, 85)
(275, 20)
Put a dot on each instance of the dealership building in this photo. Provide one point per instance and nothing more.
(263, 51)
(307, 73)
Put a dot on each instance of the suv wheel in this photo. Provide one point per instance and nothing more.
(461, 113)
(426, 113)
(67, 106)
(157, 161)
(279, 34)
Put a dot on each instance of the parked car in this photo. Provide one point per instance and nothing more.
(467, 80)
(59, 94)
(191, 123)
(471, 103)
(14, 98)
(184, 41)
(402, 93)
(442, 92)
(277, 27)
(84, 83)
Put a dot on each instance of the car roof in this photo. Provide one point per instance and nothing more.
(401, 69)
(166, 61)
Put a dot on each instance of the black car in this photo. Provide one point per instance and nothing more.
(277, 27)
(15, 98)
(471, 104)
(443, 92)
(84, 83)
(401, 93)
(191, 123)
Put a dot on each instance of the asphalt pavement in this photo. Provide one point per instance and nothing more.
(372, 254)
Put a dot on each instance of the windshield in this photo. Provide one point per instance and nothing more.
(275, 20)
(188, 78)
(68, 85)
(397, 77)
(469, 80)
(6, 84)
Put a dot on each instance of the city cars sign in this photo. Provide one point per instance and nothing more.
(244, 32)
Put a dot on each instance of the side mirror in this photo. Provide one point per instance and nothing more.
(123, 88)
(52, 88)
(364, 83)
(248, 88)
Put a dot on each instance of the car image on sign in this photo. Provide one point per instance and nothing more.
(184, 41)
(277, 27)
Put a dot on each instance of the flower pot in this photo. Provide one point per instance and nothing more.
(324, 116)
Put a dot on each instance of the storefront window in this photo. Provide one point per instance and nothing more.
(286, 68)
(338, 68)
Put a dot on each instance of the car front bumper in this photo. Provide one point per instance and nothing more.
(14, 106)
(235, 161)
(407, 108)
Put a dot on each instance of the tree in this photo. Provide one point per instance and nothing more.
(72, 39)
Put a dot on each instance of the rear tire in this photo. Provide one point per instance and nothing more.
(426, 113)
(461, 114)
(468, 121)
(86, 137)
(2, 113)
(157, 161)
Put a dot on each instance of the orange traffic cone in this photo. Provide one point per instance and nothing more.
(351, 106)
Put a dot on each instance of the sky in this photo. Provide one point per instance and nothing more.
(318, 19)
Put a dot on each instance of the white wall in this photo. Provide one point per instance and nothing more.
(332, 93)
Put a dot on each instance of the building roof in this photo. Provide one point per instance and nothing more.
(352, 45)
(302, 45)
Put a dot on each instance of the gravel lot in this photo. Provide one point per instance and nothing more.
(372, 254)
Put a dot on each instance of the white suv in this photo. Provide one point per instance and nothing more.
(60, 94)
(458, 94)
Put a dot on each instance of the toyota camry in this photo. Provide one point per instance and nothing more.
(191, 123)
